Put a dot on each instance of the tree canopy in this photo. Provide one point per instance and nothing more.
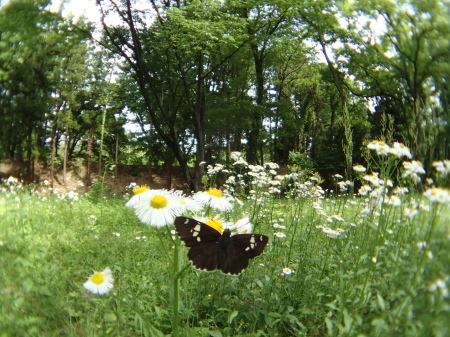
(276, 80)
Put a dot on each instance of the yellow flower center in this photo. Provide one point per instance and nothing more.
(98, 278)
(215, 192)
(140, 189)
(159, 201)
(216, 224)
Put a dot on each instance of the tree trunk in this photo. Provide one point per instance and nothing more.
(66, 146)
(53, 155)
(254, 133)
(347, 145)
(89, 155)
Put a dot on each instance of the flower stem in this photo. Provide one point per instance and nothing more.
(176, 289)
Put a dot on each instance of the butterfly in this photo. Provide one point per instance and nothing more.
(210, 250)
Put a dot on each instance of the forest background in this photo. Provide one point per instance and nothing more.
(305, 83)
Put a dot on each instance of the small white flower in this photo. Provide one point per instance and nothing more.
(244, 226)
(359, 168)
(400, 150)
(380, 147)
(393, 200)
(439, 195)
(411, 212)
(364, 190)
(332, 233)
(442, 167)
(138, 193)
(373, 179)
(413, 169)
(215, 199)
(287, 271)
(100, 282)
(440, 285)
(279, 234)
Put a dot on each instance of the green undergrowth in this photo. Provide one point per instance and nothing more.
(381, 275)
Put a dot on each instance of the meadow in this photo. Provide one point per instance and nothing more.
(372, 262)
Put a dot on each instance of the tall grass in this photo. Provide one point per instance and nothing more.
(337, 266)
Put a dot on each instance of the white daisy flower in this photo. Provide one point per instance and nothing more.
(188, 203)
(364, 190)
(411, 212)
(235, 155)
(139, 192)
(279, 235)
(400, 150)
(439, 195)
(413, 169)
(158, 208)
(332, 233)
(393, 200)
(244, 226)
(380, 147)
(373, 179)
(287, 271)
(359, 168)
(213, 198)
(442, 167)
(100, 282)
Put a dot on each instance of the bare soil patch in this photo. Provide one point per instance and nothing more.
(76, 178)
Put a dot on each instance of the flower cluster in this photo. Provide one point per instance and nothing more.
(160, 207)
(397, 149)
(442, 167)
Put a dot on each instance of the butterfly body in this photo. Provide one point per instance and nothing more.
(210, 250)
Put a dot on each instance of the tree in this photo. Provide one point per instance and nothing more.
(321, 19)
(403, 64)
(169, 61)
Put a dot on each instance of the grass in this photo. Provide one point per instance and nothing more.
(384, 275)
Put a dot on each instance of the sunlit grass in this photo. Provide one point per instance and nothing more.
(341, 265)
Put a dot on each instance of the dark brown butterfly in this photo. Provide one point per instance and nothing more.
(210, 250)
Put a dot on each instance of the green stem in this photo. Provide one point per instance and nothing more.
(428, 239)
(176, 289)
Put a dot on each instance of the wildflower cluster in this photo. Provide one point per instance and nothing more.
(335, 221)
(379, 190)
(397, 149)
(10, 185)
(159, 208)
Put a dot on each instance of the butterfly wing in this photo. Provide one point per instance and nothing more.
(210, 250)
(204, 257)
(235, 254)
(195, 233)
(203, 241)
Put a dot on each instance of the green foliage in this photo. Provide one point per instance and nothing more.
(98, 192)
(302, 161)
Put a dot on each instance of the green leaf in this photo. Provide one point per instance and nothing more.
(381, 302)
(329, 324)
(232, 315)
(109, 317)
(27, 285)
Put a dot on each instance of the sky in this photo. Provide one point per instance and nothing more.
(78, 8)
